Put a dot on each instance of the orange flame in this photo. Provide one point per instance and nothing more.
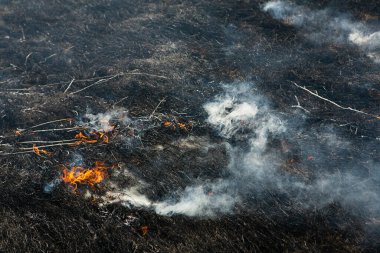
(79, 175)
(83, 138)
(144, 230)
(105, 138)
(40, 151)
(94, 137)
(176, 124)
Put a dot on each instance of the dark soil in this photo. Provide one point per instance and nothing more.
(180, 51)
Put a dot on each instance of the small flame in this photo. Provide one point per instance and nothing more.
(105, 138)
(144, 230)
(93, 137)
(174, 124)
(83, 138)
(79, 175)
(40, 151)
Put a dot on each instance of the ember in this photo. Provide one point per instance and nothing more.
(80, 175)
(93, 137)
(176, 123)
(249, 126)
(40, 151)
(144, 230)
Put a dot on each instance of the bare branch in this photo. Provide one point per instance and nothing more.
(118, 102)
(145, 74)
(16, 153)
(155, 109)
(61, 141)
(52, 145)
(97, 82)
(57, 129)
(26, 59)
(299, 105)
(49, 122)
(68, 87)
(333, 103)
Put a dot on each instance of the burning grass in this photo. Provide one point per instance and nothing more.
(78, 175)
(177, 123)
(39, 151)
(92, 137)
(64, 60)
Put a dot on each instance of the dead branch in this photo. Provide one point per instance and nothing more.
(155, 109)
(46, 123)
(121, 100)
(56, 129)
(52, 145)
(16, 153)
(26, 59)
(68, 87)
(333, 103)
(110, 76)
(47, 58)
(146, 74)
(299, 105)
(97, 82)
(61, 141)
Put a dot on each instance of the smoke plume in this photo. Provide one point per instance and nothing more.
(326, 26)
(103, 121)
(254, 137)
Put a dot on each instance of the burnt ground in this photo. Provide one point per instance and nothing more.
(179, 51)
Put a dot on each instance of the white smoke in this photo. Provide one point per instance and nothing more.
(250, 127)
(103, 121)
(229, 115)
(237, 114)
(201, 200)
(254, 167)
(128, 196)
(326, 26)
(286, 11)
(369, 42)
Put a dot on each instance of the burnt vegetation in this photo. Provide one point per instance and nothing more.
(161, 61)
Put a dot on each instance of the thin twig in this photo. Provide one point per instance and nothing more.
(16, 153)
(333, 103)
(26, 59)
(299, 105)
(83, 80)
(61, 141)
(68, 87)
(56, 129)
(155, 109)
(52, 145)
(23, 34)
(109, 76)
(28, 89)
(47, 58)
(121, 100)
(97, 82)
(146, 74)
(46, 123)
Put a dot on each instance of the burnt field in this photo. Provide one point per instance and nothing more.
(189, 126)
